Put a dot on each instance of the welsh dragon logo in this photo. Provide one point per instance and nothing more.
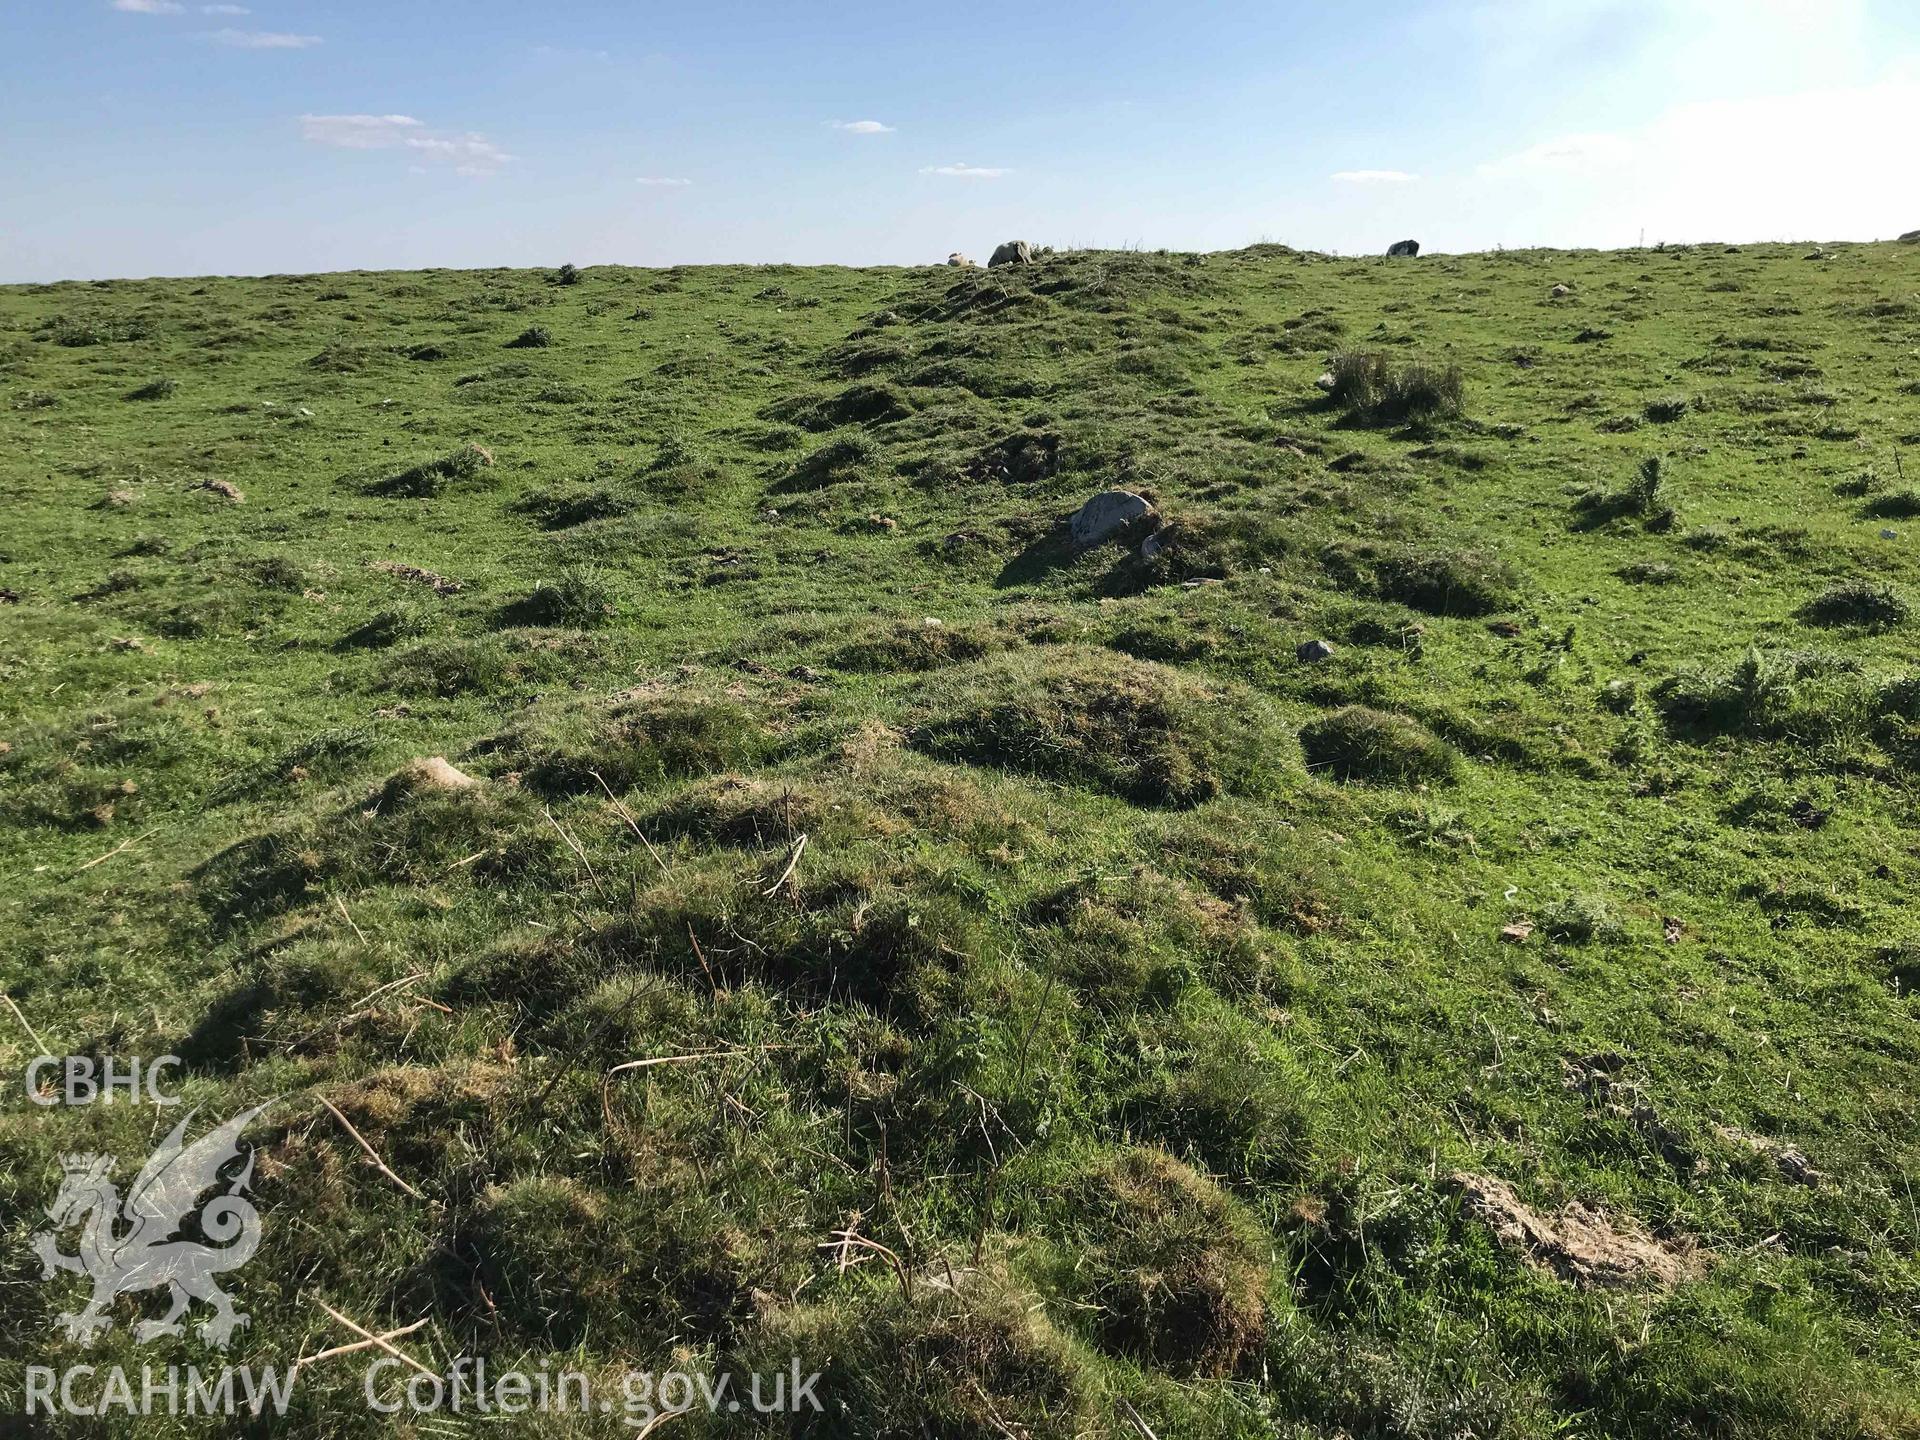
(135, 1244)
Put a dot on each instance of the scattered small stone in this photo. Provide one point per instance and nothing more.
(129, 642)
(1560, 292)
(225, 489)
(9, 596)
(1325, 382)
(1672, 928)
(1517, 932)
(1312, 650)
(961, 262)
(1014, 252)
(119, 499)
(1889, 534)
(1153, 544)
(1105, 513)
(933, 623)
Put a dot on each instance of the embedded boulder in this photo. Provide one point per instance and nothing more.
(1014, 252)
(1403, 250)
(429, 773)
(1105, 515)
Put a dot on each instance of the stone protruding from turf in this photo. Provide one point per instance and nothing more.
(1103, 515)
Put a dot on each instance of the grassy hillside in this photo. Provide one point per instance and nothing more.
(1500, 1026)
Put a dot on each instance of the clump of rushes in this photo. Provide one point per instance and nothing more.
(1375, 391)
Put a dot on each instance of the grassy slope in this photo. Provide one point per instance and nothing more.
(1008, 952)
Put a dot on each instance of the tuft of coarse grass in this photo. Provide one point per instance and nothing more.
(1645, 497)
(1773, 694)
(1360, 743)
(849, 457)
(1895, 505)
(979, 1357)
(161, 389)
(1446, 581)
(882, 646)
(579, 597)
(634, 742)
(534, 337)
(1860, 603)
(1146, 732)
(561, 507)
(458, 469)
(1579, 919)
(1667, 409)
(1374, 390)
(1173, 1272)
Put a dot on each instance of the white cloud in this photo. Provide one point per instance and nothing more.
(863, 127)
(474, 154)
(967, 172)
(1373, 177)
(666, 180)
(148, 7)
(469, 154)
(357, 132)
(225, 10)
(262, 40)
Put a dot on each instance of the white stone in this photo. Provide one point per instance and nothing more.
(1105, 513)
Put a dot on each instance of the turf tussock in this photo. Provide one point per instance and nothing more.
(1359, 743)
(1140, 731)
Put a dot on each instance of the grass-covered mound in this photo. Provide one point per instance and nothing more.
(1412, 938)
(1138, 730)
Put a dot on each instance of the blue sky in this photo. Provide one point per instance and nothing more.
(146, 137)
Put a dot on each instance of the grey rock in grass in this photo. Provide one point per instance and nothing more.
(1311, 650)
(1403, 250)
(1105, 513)
(1014, 252)
(1153, 544)
(1912, 237)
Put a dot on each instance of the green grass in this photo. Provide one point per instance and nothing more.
(1138, 985)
